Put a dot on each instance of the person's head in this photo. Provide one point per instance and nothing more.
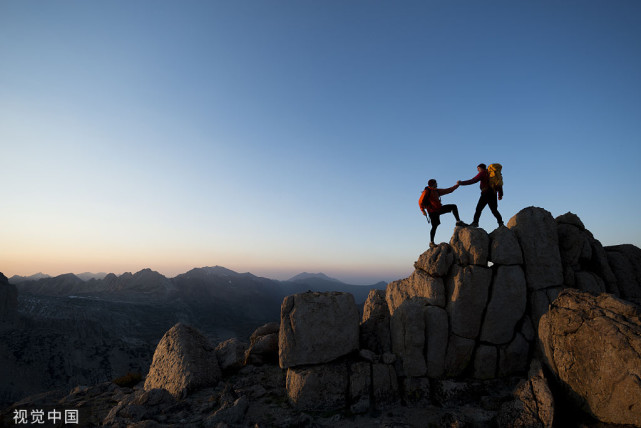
(481, 167)
(432, 183)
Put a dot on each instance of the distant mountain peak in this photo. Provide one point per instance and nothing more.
(148, 272)
(86, 276)
(17, 278)
(218, 270)
(307, 276)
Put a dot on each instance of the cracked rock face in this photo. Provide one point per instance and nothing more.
(536, 232)
(593, 345)
(317, 328)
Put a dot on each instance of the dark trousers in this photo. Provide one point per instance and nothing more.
(435, 217)
(488, 198)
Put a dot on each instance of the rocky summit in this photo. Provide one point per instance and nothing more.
(535, 324)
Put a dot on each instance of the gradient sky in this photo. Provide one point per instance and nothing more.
(284, 136)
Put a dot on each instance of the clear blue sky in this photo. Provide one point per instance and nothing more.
(284, 136)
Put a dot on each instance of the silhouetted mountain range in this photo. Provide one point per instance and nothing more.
(315, 276)
(149, 285)
(221, 302)
(128, 314)
(17, 278)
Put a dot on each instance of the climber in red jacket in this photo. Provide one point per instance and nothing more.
(488, 195)
(430, 201)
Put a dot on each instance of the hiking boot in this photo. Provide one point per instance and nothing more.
(432, 245)
(474, 224)
(461, 223)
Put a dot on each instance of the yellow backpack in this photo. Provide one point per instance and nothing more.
(496, 179)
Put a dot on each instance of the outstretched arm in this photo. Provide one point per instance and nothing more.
(448, 190)
(472, 181)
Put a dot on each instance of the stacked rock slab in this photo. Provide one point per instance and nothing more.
(455, 315)
(537, 233)
(317, 332)
(416, 306)
(317, 328)
(471, 308)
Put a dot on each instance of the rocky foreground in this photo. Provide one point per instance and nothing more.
(535, 324)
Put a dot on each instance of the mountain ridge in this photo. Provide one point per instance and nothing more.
(19, 278)
(150, 284)
(210, 270)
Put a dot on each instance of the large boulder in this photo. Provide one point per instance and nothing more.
(375, 326)
(467, 295)
(316, 328)
(184, 361)
(536, 230)
(504, 247)
(419, 286)
(8, 300)
(471, 246)
(593, 346)
(436, 261)
(507, 305)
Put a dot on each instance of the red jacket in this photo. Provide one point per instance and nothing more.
(432, 203)
(484, 178)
